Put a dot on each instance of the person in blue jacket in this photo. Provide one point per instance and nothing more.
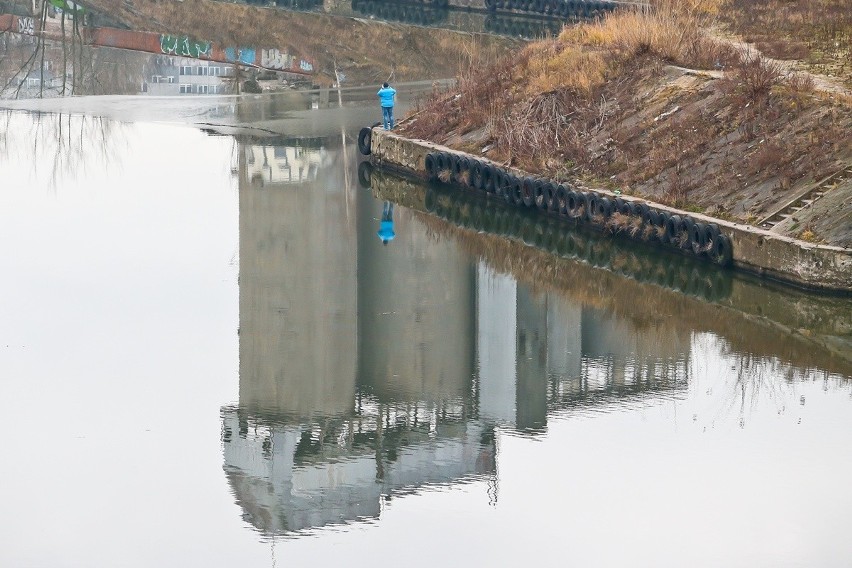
(386, 95)
(385, 231)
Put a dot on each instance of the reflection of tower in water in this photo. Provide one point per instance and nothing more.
(297, 291)
(415, 311)
(541, 352)
(329, 421)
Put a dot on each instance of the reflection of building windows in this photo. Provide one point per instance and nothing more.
(184, 88)
(202, 89)
(216, 71)
(185, 70)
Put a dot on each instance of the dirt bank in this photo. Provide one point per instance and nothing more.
(653, 105)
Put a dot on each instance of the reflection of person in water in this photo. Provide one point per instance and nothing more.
(386, 225)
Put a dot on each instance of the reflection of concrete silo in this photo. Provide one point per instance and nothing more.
(523, 340)
(297, 294)
(290, 477)
(656, 351)
(496, 344)
(537, 352)
(303, 449)
(415, 310)
(531, 361)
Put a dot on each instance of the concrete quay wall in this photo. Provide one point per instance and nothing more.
(793, 261)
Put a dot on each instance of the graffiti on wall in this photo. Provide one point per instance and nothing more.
(244, 55)
(66, 5)
(26, 26)
(275, 59)
(184, 46)
(305, 66)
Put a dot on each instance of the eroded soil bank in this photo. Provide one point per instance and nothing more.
(657, 107)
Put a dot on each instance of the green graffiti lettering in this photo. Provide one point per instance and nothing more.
(184, 46)
(168, 44)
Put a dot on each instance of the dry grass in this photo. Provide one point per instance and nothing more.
(816, 32)
(598, 103)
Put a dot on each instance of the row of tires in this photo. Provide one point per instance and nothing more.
(429, 14)
(523, 28)
(417, 14)
(677, 273)
(294, 4)
(632, 219)
(471, 212)
(563, 8)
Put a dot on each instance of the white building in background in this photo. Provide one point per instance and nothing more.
(267, 165)
(167, 75)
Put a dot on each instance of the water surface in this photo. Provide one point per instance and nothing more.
(209, 357)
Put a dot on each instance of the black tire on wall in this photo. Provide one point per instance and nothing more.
(604, 207)
(662, 234)
(550, 190)
(496, 180)
(650, 218)
(589, 204)
(697, 238)
(673, 228)
(364, 139)
(459, 168)
(516, 193)
(561, 200)
(476, 174)
(488, 178)
(538, 194)
(452, 162)
(635, 213)
(722, 252)
(711, 233)
(431, 165)
(528, 191)
(499, 182)
(574, 201)
(686, 224)
(443, 161)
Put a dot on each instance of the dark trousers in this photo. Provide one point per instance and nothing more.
(387, 117)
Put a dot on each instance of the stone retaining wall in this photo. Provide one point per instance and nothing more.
(768, 254)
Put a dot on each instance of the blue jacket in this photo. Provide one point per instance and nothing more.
(386, 231)
(386, 94)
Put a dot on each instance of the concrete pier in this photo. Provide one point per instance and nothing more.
(789, 260)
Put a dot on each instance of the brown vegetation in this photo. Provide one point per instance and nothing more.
(734, 134)
(816, 32)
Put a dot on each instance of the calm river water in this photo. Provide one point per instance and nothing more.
(208, 357)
